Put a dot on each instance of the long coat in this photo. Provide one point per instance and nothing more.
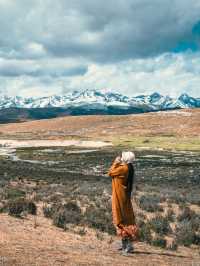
(122, 209)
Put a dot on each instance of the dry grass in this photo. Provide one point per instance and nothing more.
(24, 244)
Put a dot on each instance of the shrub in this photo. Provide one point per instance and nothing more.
(159, 242)
(160, 225)
(150, 203)
(15, 208)
(31, 208)
(197, 239)
(48, 211)
(145, 233)
(65, 214)
(193, 198)
(60, 219)
(19, 206)
(99, 218)
(190, 215)
(175, 197)
(185, 235)
(195, 221)
(186, 214)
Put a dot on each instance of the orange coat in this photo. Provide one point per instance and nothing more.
(121, 203)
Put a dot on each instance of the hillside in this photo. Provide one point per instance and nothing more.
(178, 123)
(13, 114)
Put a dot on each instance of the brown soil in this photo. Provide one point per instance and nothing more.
(21, 243)
(176, 123)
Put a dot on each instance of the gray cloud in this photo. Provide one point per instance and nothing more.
(102, 31)
(55, 68)
(51, 46)
(113, 31)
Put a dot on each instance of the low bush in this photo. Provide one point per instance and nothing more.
(195, 221)
(185, 234)
(160, 225)
(20, 206)
(159, 242)
(150, 203)
(197, 239)
(63, 214)
(31, 208)
(190, 215)
(193, 198)
(186, 214)
(175, 197)
(145, 232)
(48, 210)
(99, 218)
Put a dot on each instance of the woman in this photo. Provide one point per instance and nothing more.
(122, 173)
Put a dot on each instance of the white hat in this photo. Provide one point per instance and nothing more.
(128, 157)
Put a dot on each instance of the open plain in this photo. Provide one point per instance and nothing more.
(59, 166)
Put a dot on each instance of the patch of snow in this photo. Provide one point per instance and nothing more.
(8, 147)
(52, 143)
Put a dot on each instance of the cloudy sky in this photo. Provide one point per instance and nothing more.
(134, 47)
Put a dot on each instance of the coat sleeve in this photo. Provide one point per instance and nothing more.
(117, 169)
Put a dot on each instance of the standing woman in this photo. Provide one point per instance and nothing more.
(122, 173)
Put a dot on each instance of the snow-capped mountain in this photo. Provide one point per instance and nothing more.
(104, 101)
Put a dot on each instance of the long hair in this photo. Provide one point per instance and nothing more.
(130, 179)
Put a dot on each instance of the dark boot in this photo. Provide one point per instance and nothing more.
(123, 244)
(129, 246)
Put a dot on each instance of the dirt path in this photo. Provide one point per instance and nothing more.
(46, 245)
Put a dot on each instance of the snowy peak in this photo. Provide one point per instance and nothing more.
(102, 100)
(189, 101)
(155, 96)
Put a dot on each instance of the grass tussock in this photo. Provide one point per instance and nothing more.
(160, 225)
(20, 207)
(150, 203)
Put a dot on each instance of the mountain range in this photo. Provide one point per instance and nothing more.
(88, 102)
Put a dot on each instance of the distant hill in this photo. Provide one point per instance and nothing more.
(176, 123)
(13, 114)
(88, 102)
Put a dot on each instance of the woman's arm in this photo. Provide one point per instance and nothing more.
(118, 169)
